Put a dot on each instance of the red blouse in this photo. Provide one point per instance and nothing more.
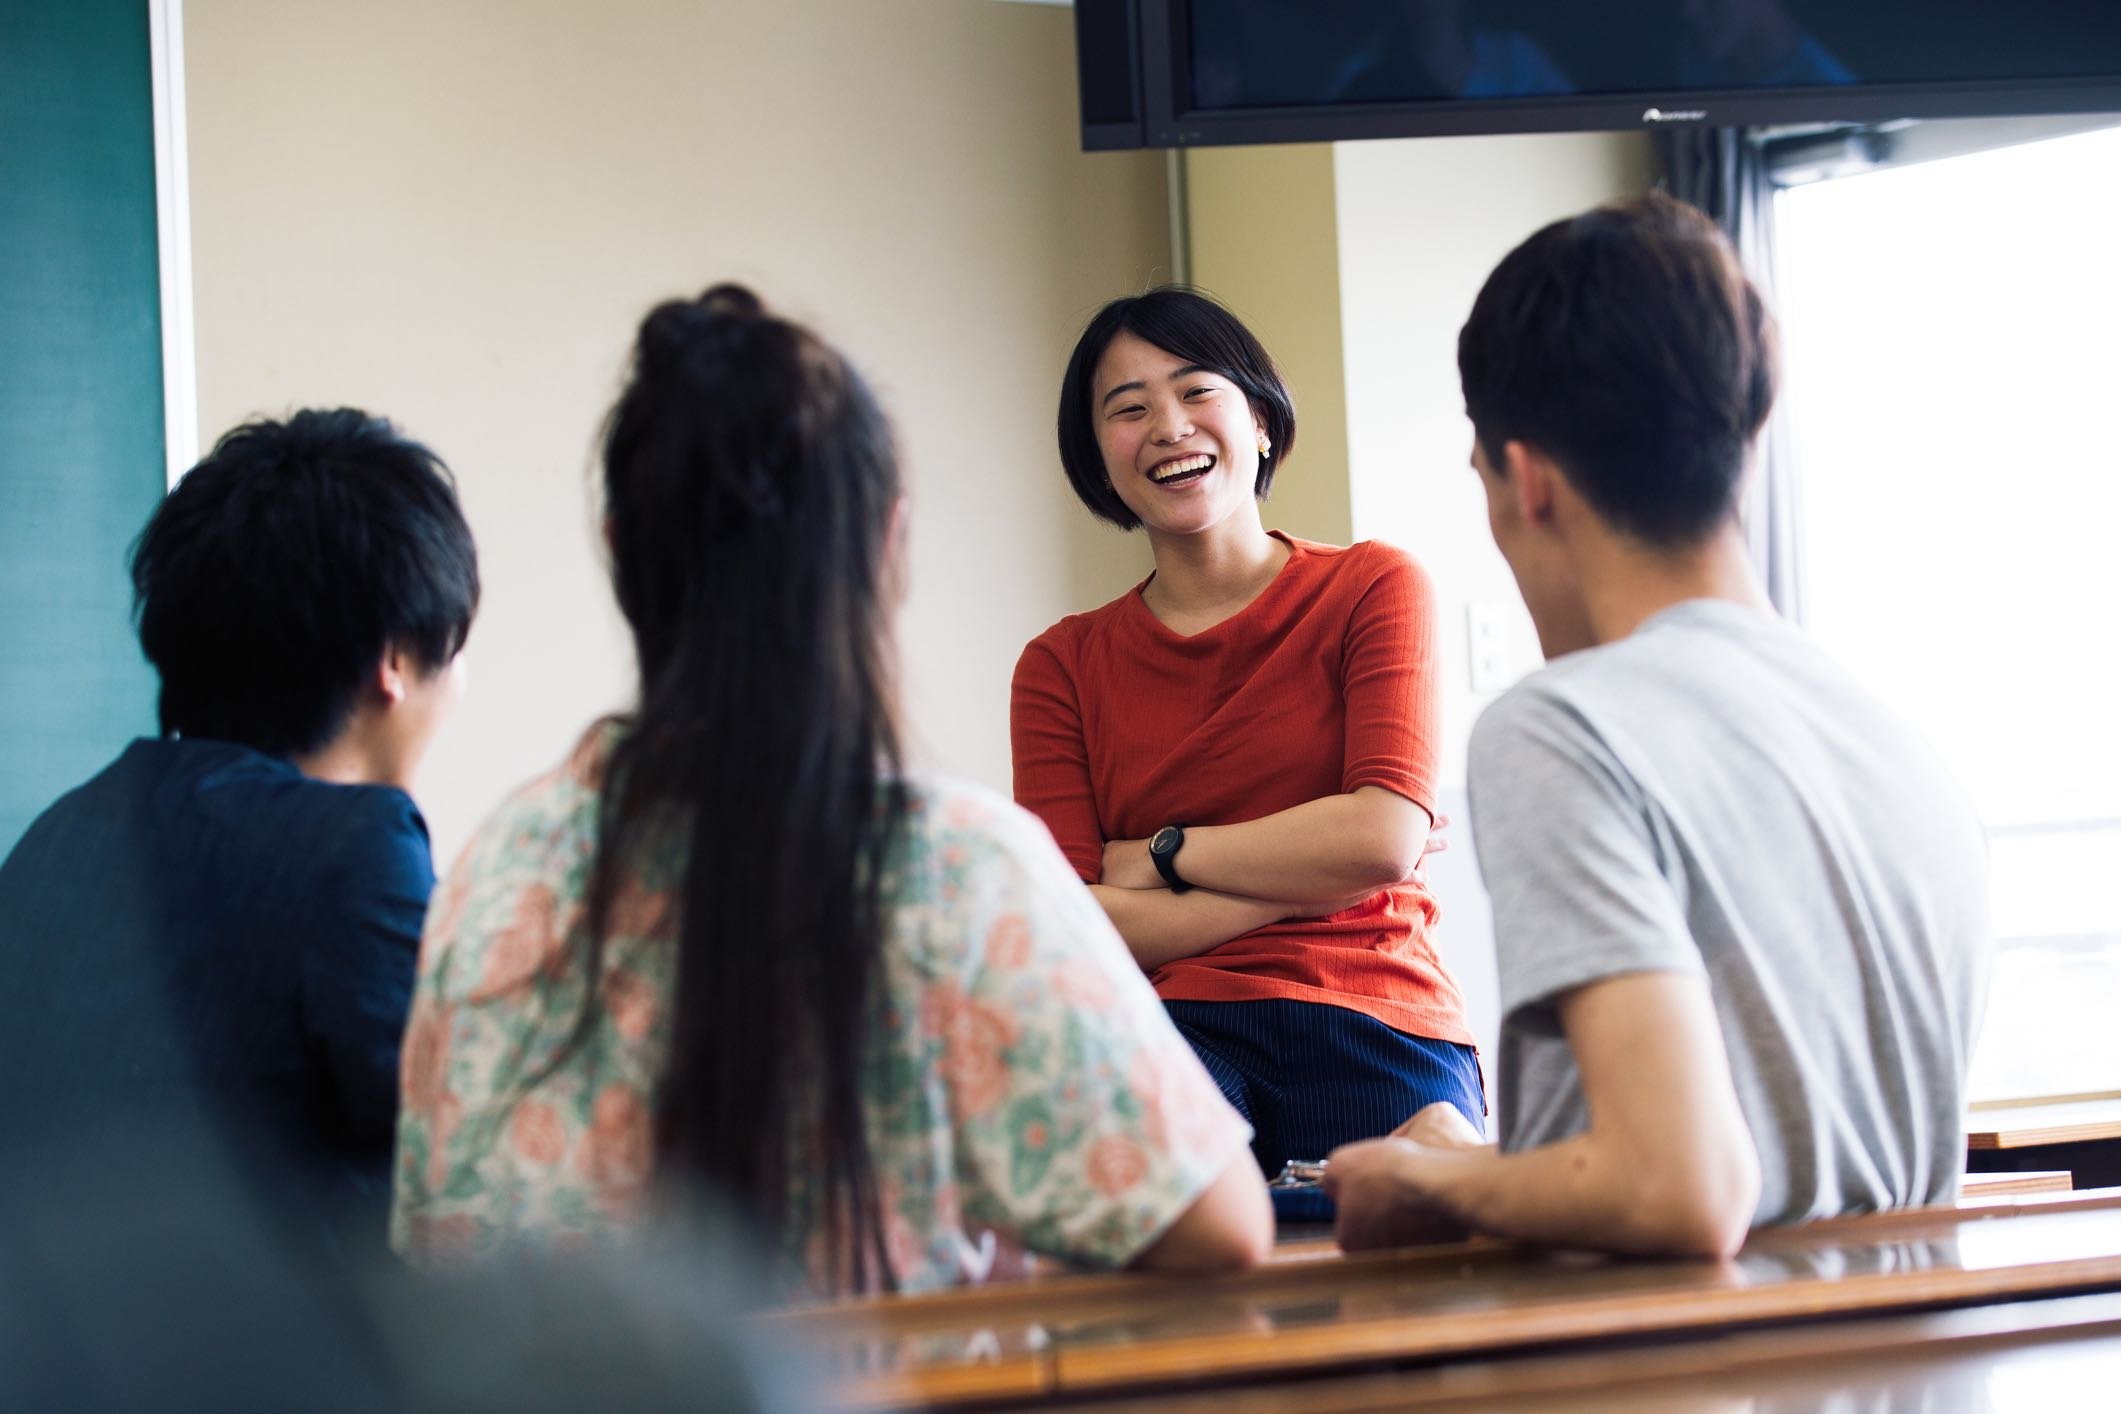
(1324, 683)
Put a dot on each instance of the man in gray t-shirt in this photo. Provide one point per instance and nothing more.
(1741, 914)
(1712, 796)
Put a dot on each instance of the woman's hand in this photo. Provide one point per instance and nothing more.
(1436, 843)
(1128, 866)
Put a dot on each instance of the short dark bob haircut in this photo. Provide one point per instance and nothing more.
(1188, 325)
(269, 583)
(1627, 344)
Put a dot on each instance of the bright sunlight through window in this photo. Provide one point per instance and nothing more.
(1953, 337)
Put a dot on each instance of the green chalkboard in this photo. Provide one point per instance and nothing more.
(81, 430)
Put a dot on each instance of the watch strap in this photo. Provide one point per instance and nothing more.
(1166, 860)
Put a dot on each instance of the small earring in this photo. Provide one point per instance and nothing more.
(1265, 446)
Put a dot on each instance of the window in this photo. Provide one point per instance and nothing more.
(1953, 335)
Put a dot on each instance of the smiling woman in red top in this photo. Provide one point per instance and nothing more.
(1238, 755)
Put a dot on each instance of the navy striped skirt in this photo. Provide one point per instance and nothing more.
(1311, 1077)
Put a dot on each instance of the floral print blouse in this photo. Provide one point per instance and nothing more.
(1028, 1092)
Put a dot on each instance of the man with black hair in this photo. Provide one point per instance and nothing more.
(1740, 913)
(223, 924)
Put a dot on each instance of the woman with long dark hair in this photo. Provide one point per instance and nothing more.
(732, 947)
(1239, 755)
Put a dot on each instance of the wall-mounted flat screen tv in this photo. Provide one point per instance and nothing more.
(1181, 73)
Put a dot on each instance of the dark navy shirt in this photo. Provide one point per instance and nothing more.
(203, 930)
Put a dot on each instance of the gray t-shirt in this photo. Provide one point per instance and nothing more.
(1713, 795)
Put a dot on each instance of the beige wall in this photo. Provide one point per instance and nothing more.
(1421, 223)
(455, 213)
(1260, 228)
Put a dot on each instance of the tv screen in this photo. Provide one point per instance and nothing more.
(1225, 71)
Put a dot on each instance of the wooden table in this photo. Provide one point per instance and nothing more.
(2058, 1353)
(2079, 1133)
(2054, 1122)
(1978, 1188)
(1313, 1312)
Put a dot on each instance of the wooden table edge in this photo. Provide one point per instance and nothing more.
(853, 1311)
(1086, 1367)
(1039, 1374)
(1734, 1351)
(1990, 1140)
(889, 1313)
(1020, 1378)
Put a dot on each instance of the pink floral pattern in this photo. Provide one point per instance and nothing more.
(977, 1038)
(538, 1134)
(1026, 1093)
(1116, 1164)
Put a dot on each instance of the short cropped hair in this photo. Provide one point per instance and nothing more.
(1188, 325)
(269, 583)
(1627, 344)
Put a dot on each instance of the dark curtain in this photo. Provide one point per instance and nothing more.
(1724, 171)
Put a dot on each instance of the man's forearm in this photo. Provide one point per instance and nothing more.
(1574, 1193)
(1668, 1164)
(1160, 926)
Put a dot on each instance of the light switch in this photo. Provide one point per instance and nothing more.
(1487, 646)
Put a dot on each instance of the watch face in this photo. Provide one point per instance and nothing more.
(1166, 840)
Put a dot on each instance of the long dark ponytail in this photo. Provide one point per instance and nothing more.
(750, 484)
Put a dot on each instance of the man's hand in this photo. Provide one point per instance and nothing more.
(1667, 1167)
(1128, 866)
(1440, 1126)
(1381, 1190)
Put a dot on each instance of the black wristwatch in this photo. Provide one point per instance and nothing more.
(1163, 853)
